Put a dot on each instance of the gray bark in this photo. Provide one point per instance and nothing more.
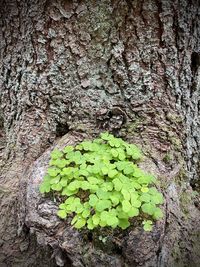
(70, 68)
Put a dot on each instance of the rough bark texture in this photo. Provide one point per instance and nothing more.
(73, 68)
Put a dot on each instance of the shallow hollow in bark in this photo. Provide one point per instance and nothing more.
(133, 246)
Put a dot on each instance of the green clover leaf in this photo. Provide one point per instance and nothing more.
(101, 184)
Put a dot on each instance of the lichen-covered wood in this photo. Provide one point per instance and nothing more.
(80, 67)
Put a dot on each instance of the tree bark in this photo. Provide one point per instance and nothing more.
(71, 69)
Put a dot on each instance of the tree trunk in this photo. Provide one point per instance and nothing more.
(74, 68)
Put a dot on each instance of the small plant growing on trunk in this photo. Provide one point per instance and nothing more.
(102, 184)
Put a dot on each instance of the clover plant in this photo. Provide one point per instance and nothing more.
(102, 185)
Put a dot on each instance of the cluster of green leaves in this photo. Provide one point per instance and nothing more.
(102, 184)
